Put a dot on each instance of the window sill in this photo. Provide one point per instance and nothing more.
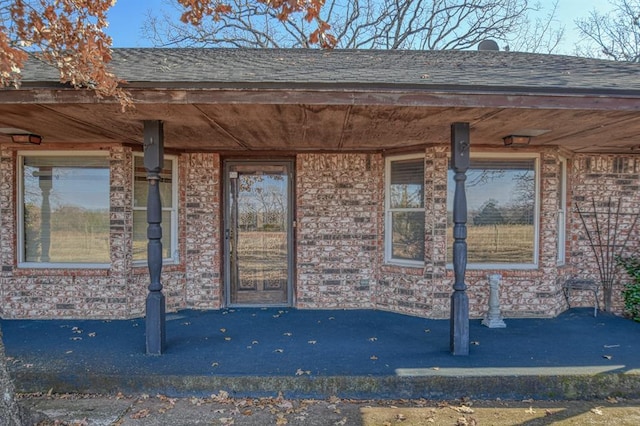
(498, 266)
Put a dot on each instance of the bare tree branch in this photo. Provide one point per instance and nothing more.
(614, 35)
(372, 24)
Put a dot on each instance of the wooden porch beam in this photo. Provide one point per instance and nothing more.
(399, 97)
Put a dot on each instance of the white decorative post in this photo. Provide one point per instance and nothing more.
(493, 319)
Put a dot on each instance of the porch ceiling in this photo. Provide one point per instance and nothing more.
(237, 127)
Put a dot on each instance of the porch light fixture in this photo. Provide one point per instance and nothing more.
(26, 138)
(516, 140)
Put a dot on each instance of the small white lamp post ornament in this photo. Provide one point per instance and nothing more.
(493, 319)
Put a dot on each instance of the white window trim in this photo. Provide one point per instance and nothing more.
(174, 259)
(388, 231)
(20, 210)
(562, 213)
(536, 230)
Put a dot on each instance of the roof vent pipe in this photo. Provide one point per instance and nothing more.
(488, 45)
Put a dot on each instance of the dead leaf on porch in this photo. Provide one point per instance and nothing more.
(215, 364)
(254, 342)
(76, 330)
(530, 410)
(613, 400)
(75, 338)
(223, 330)
(373, 357)
(279, 351)
(611, 346)
(227, 421)
(464, 409)
(607, 356)
(426, 330)
(331, 318)
(301, 372)
(93, 334)
(373, 339)
(435, 368)
(597, 410)
(186, 323)
(475, 343)
(227, 338)
(312, 342)
(287, 334)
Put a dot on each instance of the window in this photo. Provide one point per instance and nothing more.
(562, 207)
(168, 195)
(502, 212)
(404, 205)
(64, 210)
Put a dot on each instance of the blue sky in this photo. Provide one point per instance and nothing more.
(127, 18)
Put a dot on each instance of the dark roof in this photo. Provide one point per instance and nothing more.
(378, 68)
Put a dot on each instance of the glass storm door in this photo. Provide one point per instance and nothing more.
(258, 233)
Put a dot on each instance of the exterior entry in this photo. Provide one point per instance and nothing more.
(258, 236)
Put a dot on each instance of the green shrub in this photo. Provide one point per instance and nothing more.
(631, 291)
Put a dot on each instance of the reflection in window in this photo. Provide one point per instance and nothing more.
(405, 210)
(169, 216)
(65, 209)
(501, 203)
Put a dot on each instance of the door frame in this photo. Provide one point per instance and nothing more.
(289, 165)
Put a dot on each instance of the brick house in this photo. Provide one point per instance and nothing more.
(314, 179)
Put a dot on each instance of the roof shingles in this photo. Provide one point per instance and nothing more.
(384, 68)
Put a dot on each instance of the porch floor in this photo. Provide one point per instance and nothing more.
(319, 353)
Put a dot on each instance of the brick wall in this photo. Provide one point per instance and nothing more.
(202, 230)
(605, 180)
(339, 242)
(338, 233)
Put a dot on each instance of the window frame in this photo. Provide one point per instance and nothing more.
(175, 254)
(20, 240)
(388, 222)
(562, 212)
(536, 212)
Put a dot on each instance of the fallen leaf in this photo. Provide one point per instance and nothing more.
(254, 342)
(341, 422)
(140, 414)
(530, 410)
(597, 410)
(401, 417)
(426, 330)
(435, 368)
(611, 346)
(373, 357)
(186, 323)
(223, 330)
(92, 334)
(227, 338)
(279, 351)
(612, 400)
(288, 334)
(75, 338)
(373, 339)
(215, 364)
(607, 356)
(475, 343)
(301, 372)
(463, 409)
